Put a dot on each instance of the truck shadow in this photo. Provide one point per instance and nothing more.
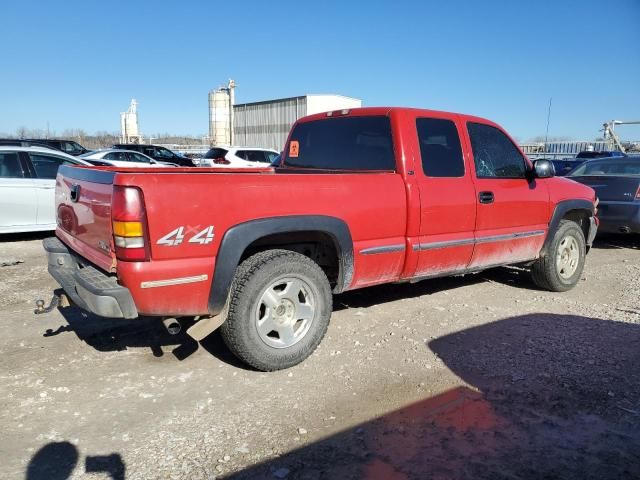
(550, 396)
(612, 241)
(114, 334)
(371, 296)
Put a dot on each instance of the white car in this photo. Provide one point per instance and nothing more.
(27, 187)
(238, 157)
(123, 158)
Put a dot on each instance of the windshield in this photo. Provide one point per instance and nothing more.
(72, 147)
(608, 168)
(165, 153)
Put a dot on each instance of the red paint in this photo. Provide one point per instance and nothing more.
(380, 209)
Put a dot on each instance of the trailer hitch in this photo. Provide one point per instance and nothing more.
(57, 301)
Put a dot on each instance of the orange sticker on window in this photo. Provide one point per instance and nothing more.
(294, 148)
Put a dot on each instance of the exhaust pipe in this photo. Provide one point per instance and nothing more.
(625, 230)
(172, 325)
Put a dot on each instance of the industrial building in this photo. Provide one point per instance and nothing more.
(267, 123)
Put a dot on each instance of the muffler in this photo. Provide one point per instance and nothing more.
(172, 325)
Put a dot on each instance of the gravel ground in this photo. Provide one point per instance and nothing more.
(479, 377)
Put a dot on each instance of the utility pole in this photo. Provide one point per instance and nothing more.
(546, 135)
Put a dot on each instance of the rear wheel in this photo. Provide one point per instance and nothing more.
(278, 310)
(560, 269)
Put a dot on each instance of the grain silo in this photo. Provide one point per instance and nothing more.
(267, 123)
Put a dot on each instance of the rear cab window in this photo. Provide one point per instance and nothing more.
(342, 143)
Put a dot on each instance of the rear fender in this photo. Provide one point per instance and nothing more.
(238, 238)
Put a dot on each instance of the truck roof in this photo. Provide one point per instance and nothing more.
(388, 110)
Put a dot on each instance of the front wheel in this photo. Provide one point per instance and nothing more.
(278, 310)
(560, 269)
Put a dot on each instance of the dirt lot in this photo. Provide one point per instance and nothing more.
(479, 377)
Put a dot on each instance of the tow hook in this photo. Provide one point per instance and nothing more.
(57, 301)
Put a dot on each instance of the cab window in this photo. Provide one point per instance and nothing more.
(440, 148)
(494, 154)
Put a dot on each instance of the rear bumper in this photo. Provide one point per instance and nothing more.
(619, 217)
(89, 288)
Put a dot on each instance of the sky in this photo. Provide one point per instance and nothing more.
(77, 64)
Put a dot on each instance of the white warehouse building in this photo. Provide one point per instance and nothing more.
(266, 124)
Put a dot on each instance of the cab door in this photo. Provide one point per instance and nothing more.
(17, 196)
(447, 197)
(512, 207)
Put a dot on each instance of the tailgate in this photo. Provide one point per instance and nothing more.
(83, 210)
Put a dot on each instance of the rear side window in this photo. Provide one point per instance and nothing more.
(494, 154)
(138, 157)
(440, 148)
(608, 167)
(252, 155)
(46, 166)
(10, 166)
(270, 156)
(215, 153)
(118, 156)
(342, 143)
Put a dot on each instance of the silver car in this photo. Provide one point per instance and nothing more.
(27, 187)
(123, 158)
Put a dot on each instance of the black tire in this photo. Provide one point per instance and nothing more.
(546, 272)
(253, 278)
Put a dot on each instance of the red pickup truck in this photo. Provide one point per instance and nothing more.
(359, 197)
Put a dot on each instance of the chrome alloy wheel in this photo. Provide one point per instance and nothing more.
(568, 257)
(285, 312)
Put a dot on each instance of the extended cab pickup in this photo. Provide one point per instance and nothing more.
(360, 197)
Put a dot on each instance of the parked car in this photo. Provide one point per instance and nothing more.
(123, 158)
(67, 146)
(14, 142)
(238, 157)
(259, 252)
(27, 187)
(562, 167)
(160, 154)
(617, 185)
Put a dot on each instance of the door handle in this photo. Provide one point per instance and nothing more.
(486, 197)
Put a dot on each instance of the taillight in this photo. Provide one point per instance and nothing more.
(221, 161)
(129, 224)
(638, 193)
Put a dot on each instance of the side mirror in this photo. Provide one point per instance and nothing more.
(543, 169)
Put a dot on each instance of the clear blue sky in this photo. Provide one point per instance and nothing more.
(77, 64)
